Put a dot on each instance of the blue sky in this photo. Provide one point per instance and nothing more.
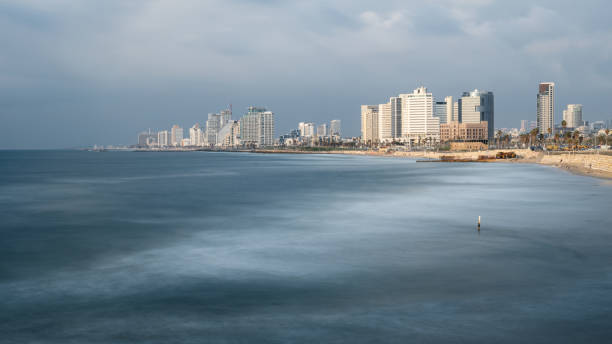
(76, 73)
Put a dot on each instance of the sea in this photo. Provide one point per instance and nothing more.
(213, 247)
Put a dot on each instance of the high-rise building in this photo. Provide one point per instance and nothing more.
(176, 135)
(162, 138)
(573, 115)
(450, 110)
(385, 122)
(147, 139)
(441, 111)
(335, 128)
(229, 134)
(257, 127)
(369, 123)
(396, 117)
(546, 108)
(308, 130)
(418, 120)
(195, 135)
(213, 124)
(322, 130)
(301, 128)
(476, 107)
(225, 117)
(456, 111)
(524, 125)
(142, 139)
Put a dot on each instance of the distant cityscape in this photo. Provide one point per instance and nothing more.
(419, 119)
(255, 129)
(414, 119)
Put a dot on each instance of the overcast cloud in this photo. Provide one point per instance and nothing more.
(75, 73)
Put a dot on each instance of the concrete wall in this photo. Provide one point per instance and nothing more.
(589, 161)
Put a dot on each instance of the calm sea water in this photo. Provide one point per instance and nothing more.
(125, 247)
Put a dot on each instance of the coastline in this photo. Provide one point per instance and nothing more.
(579, 163)
(585, 164)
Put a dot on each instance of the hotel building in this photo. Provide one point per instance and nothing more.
(546, 107)
(369, 123)
(573, 116)
(418, 120)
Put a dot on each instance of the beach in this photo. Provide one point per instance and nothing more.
(587, 164)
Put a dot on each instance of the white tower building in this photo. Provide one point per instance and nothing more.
(573, 115)
(335, 128)
(176, 135)
(546, 108)
(385, 122)
(369, 123)
(418, 121)
(257, 127)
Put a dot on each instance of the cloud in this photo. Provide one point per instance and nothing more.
(196, 56)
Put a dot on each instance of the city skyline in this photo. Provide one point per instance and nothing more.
(414, 118)
(98, 72)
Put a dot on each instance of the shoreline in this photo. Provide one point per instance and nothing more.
(584, 164)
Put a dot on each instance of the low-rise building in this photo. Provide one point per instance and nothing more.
(457, 131)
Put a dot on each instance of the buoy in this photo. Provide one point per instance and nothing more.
(479, 223)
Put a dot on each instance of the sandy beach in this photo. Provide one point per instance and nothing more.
(587, 164)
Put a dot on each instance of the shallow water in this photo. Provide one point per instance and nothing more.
(125, 247)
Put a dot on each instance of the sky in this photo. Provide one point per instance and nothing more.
(75, 73)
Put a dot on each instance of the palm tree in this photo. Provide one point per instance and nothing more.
(506, 140)
(533, 134)
(564, 124)
(576, 136)
(524, 138)
(601, 139)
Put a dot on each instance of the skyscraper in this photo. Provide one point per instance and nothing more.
(322, 130)
(369, 123)
(308, 129)
(195, 135)
(226, 116)
(450, 110)
(418, 120)
(213, 124)
(176, 135)
(441, 111)
(396, 117)
(546, 108)
(456, 112)
(524, 125)
(476, 107)
(335, 128)
(162, 138)
(229, 134)
(573, 115)
(385, 122)
(257, 127)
